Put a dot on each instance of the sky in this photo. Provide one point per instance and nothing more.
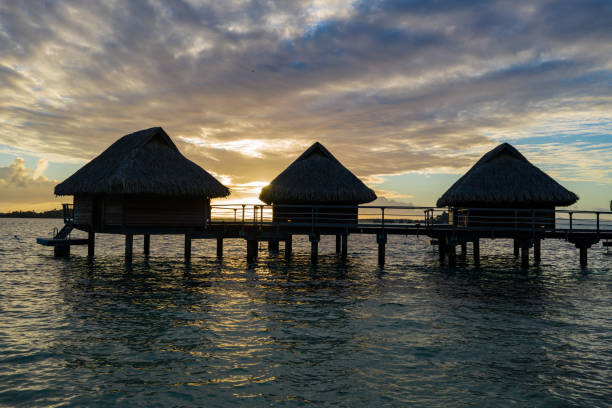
(407, 94)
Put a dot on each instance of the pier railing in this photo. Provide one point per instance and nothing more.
(327, 215)
(389, 217)
(524, 219)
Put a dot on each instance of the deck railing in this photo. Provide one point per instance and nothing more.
(389, 217)
(326, 215)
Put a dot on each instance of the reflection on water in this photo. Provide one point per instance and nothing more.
(222, 333)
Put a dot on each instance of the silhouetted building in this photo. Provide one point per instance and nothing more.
(141, 181)
(503, 188)
(316, 178)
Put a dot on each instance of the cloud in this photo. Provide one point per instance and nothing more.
(243, 87)
(20, 185)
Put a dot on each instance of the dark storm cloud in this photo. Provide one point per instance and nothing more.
(392, 86)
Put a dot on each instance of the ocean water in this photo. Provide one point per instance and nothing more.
(224, 333)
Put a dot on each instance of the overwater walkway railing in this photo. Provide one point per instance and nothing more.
(447, 228)
(398, 217)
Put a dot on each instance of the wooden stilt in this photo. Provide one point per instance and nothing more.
(91, 243)
(442, 249)
(516, 247)
(252, 248)
(525, 254)
(129, 241)
(187, 247)
(381, 240)
(61, 251)
(146, 246)
(219, 248)
(583, 256)
(476, 251)
(288, 247)
(273, 246)
(344, 252)
(463, 249)
(338, 244)
(452, 255)
(314, 247)
(537, 251)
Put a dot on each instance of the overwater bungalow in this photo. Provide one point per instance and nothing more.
(141, 184)
(504, 189)
(316, 178)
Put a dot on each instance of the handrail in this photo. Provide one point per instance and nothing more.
(389, 216)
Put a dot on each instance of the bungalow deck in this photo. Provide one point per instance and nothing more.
(254, 224)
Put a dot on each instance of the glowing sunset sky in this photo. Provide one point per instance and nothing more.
(407, 94)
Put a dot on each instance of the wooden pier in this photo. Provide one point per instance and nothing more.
(254, 224)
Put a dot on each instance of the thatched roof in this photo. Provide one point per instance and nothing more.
(143, 162)
(505, 176)
(316, 177)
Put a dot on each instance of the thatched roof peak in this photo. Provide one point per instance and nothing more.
(316, 176)
(504, 176)
(143, 162)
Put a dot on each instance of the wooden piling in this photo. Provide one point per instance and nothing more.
(516, 247)
(273, 246)
(288, 247)
(442, 249)
(381, 240)
(187, 247)
(476, 251)
(537, 251)
(452, 255)
(146, 246)
(583, 256)
(219, 247)
(129, 243)
(252, 248)
(61, 251)
(314, 247)
(463, 249)
(91, 243)
(344, 251)
(525, 254)
(338, 244)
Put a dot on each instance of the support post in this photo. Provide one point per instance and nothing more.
(61, 251)
(452, 255)
(476, 251)
(338, 244)
(344, 252)
(314, 247)
(252, 248)
(273, 246)
(537, 250)
(187, 247)
(442, 249)
(583, 256)
(524, 254)
(147, 244)
(219, 248)
(91, 243)
(129, 241)
(381, 240)
(516, 247)
(288, 247)
(463, 249)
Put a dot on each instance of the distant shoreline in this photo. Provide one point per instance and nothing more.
(33, 214)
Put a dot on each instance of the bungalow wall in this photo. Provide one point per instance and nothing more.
(130, 211)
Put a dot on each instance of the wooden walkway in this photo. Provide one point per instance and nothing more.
(255, 223)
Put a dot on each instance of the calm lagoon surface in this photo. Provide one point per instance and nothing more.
(223, 333)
